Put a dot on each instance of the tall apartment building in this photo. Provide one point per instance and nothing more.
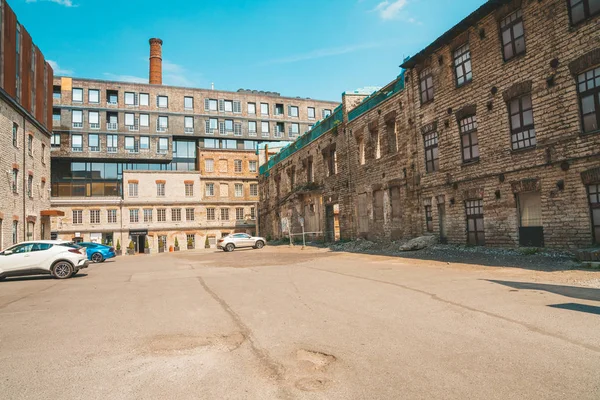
(25, 123)
(134, 161)
(490, 136)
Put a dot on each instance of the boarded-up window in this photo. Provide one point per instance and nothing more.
(391, 134)
(363, 214)
(222, 165)
(530, 209)
(378, 205)
(395, 202)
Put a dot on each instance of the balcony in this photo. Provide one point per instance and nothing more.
(77, 149)
(111, 149)
(77, 124)
(95, 149)
(188, 130)
(94, 126)
(112, 126)
(133, 128)
(112, 102)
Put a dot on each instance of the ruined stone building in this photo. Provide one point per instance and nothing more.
(25, 124)
(489, 136)
(151, 164)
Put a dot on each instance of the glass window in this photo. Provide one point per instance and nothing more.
(176, 214)
(148, 215)
(265, 128)
(237, 165)
(189, 190)
(188, 103)
(77, 118)
(252, 166)
(130, 98)
(78, 95)
(588, 86)
(224, 214)
(210, 214)
(228, 105)
(251, 108)
(253, 189)
(189, 123)
(250, 145)
(129, 119)
(160, 189)
(129, 142)
(210, 189)
(264, 108)
(468, 138)
(209, 165)
(431, 151)
(161, 214)
(94, 119)
(162, 101)
(294, 130)
(76, 141)
(326, 113)
(581, 10)
(77, 217)
(144, 142)
(93, 96)
(134, 215)
(239, 213)
(293, 111)
(189, 216)
(144, 99)
(239, 190)
(462, 65)
(144, 120)
(426, 85)
(133, 189)
(513, 35)
(311, 113)
(94, 142)
(229, 125)
(521, 123)
(163, 145)
(111, 216)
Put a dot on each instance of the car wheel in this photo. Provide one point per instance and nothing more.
(230, 247)
(97, 258)
(2, 278)
(62, 270)
(259, 245)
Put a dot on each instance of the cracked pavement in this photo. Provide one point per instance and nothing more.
(286, 323)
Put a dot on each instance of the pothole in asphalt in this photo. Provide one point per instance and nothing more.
(314, 359)
(178, 344)
(312, 384)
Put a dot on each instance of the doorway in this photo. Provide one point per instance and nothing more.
(531, 230)
(475, 228)
(141, 243)
(332, 215)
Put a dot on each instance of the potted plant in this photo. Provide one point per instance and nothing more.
(206, 243)
(190, 244)
(176, 244)
(147, 246)
(119, 252)
(131, 248)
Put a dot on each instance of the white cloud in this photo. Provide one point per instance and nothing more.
(320, 53)
(390, 9)
(125, 78)
(66, 3)
(177, 75)
(58, 70)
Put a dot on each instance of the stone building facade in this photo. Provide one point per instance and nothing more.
(25, 115)
(109, 136)
(491, 137)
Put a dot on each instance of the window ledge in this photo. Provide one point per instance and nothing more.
(427, 102)
(515, 57)
(591, 133)
(523, 150)
(462, 85)
(466, 164)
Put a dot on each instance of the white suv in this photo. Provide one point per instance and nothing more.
(55, 257)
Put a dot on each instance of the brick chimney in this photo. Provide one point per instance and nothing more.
(156, 61)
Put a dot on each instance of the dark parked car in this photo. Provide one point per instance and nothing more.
(98, 252)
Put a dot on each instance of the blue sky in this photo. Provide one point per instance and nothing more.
(307, 48)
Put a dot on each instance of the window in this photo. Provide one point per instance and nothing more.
(475, 230)
(254, 189)
(251, 108)
(521, 123)
(162, 124)
(56, 116)
(130, 119)
(144, 142)
(294, 130)
(513, 35)
(210, 214)
(189, 124)
(431, 151)
(264, 109)
(162, 101)
(252, 128)
(77, 217)
(594, 196)
(112, 142)
(77, 143)
(78, 95)
(293, 111)
(56, 91)
(237, 106)
(227, 106)
(252, 213)
(144, 120)
(252, 166)
(176, 214)
(131, 99)
(588, 86)
(161, 214)
(163, 145)
(462, 65)
(264, 128)
(134, 215)
(77, 118)
(160, 189)
(189, 190)
(209, 165)
(239, 213)
(111, 216)
(188, 103)
(94, 216)
(30, 144)
(237, 129)
(133, 189)
(210, 105)
(15, 180)
(189, 215)
(361, 150)
(228, 125)
(212, 124)
(583, 9)
(15, 230)
(311, 113)
(190, 237)
(210, 189)
(112, 97)
(93, 96)
(468, 138)
(428, 218)
(147, 215)
(326, 113)
(239, 190)
(278, 110)
(30, 186)
(144, 99)
(14, 134)
(94, 119)
(129, 143)
(94, 142)
(426, 85)
(55, 140)
(237, 165)
(224, 214)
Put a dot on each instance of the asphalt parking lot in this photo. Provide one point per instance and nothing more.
(286, 323)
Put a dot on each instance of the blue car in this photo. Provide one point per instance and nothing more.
(98, 252)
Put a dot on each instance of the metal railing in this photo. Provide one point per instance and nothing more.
(112, 126)
(94, 149)
(77, 124)
(161, 128)
(77, 149)
(134, 128)
(94, 126)
(111, 149)
(112, 103)
(188, 130)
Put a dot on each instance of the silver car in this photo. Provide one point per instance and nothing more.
(239, 240)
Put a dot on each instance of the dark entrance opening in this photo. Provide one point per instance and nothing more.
(141, 243)
(475, 230)
(332, 227)
(531, 231)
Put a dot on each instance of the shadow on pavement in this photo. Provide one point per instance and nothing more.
(567, 291)
(38, 278)
(577, 307)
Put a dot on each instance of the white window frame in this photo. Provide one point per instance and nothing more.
(77, 95)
